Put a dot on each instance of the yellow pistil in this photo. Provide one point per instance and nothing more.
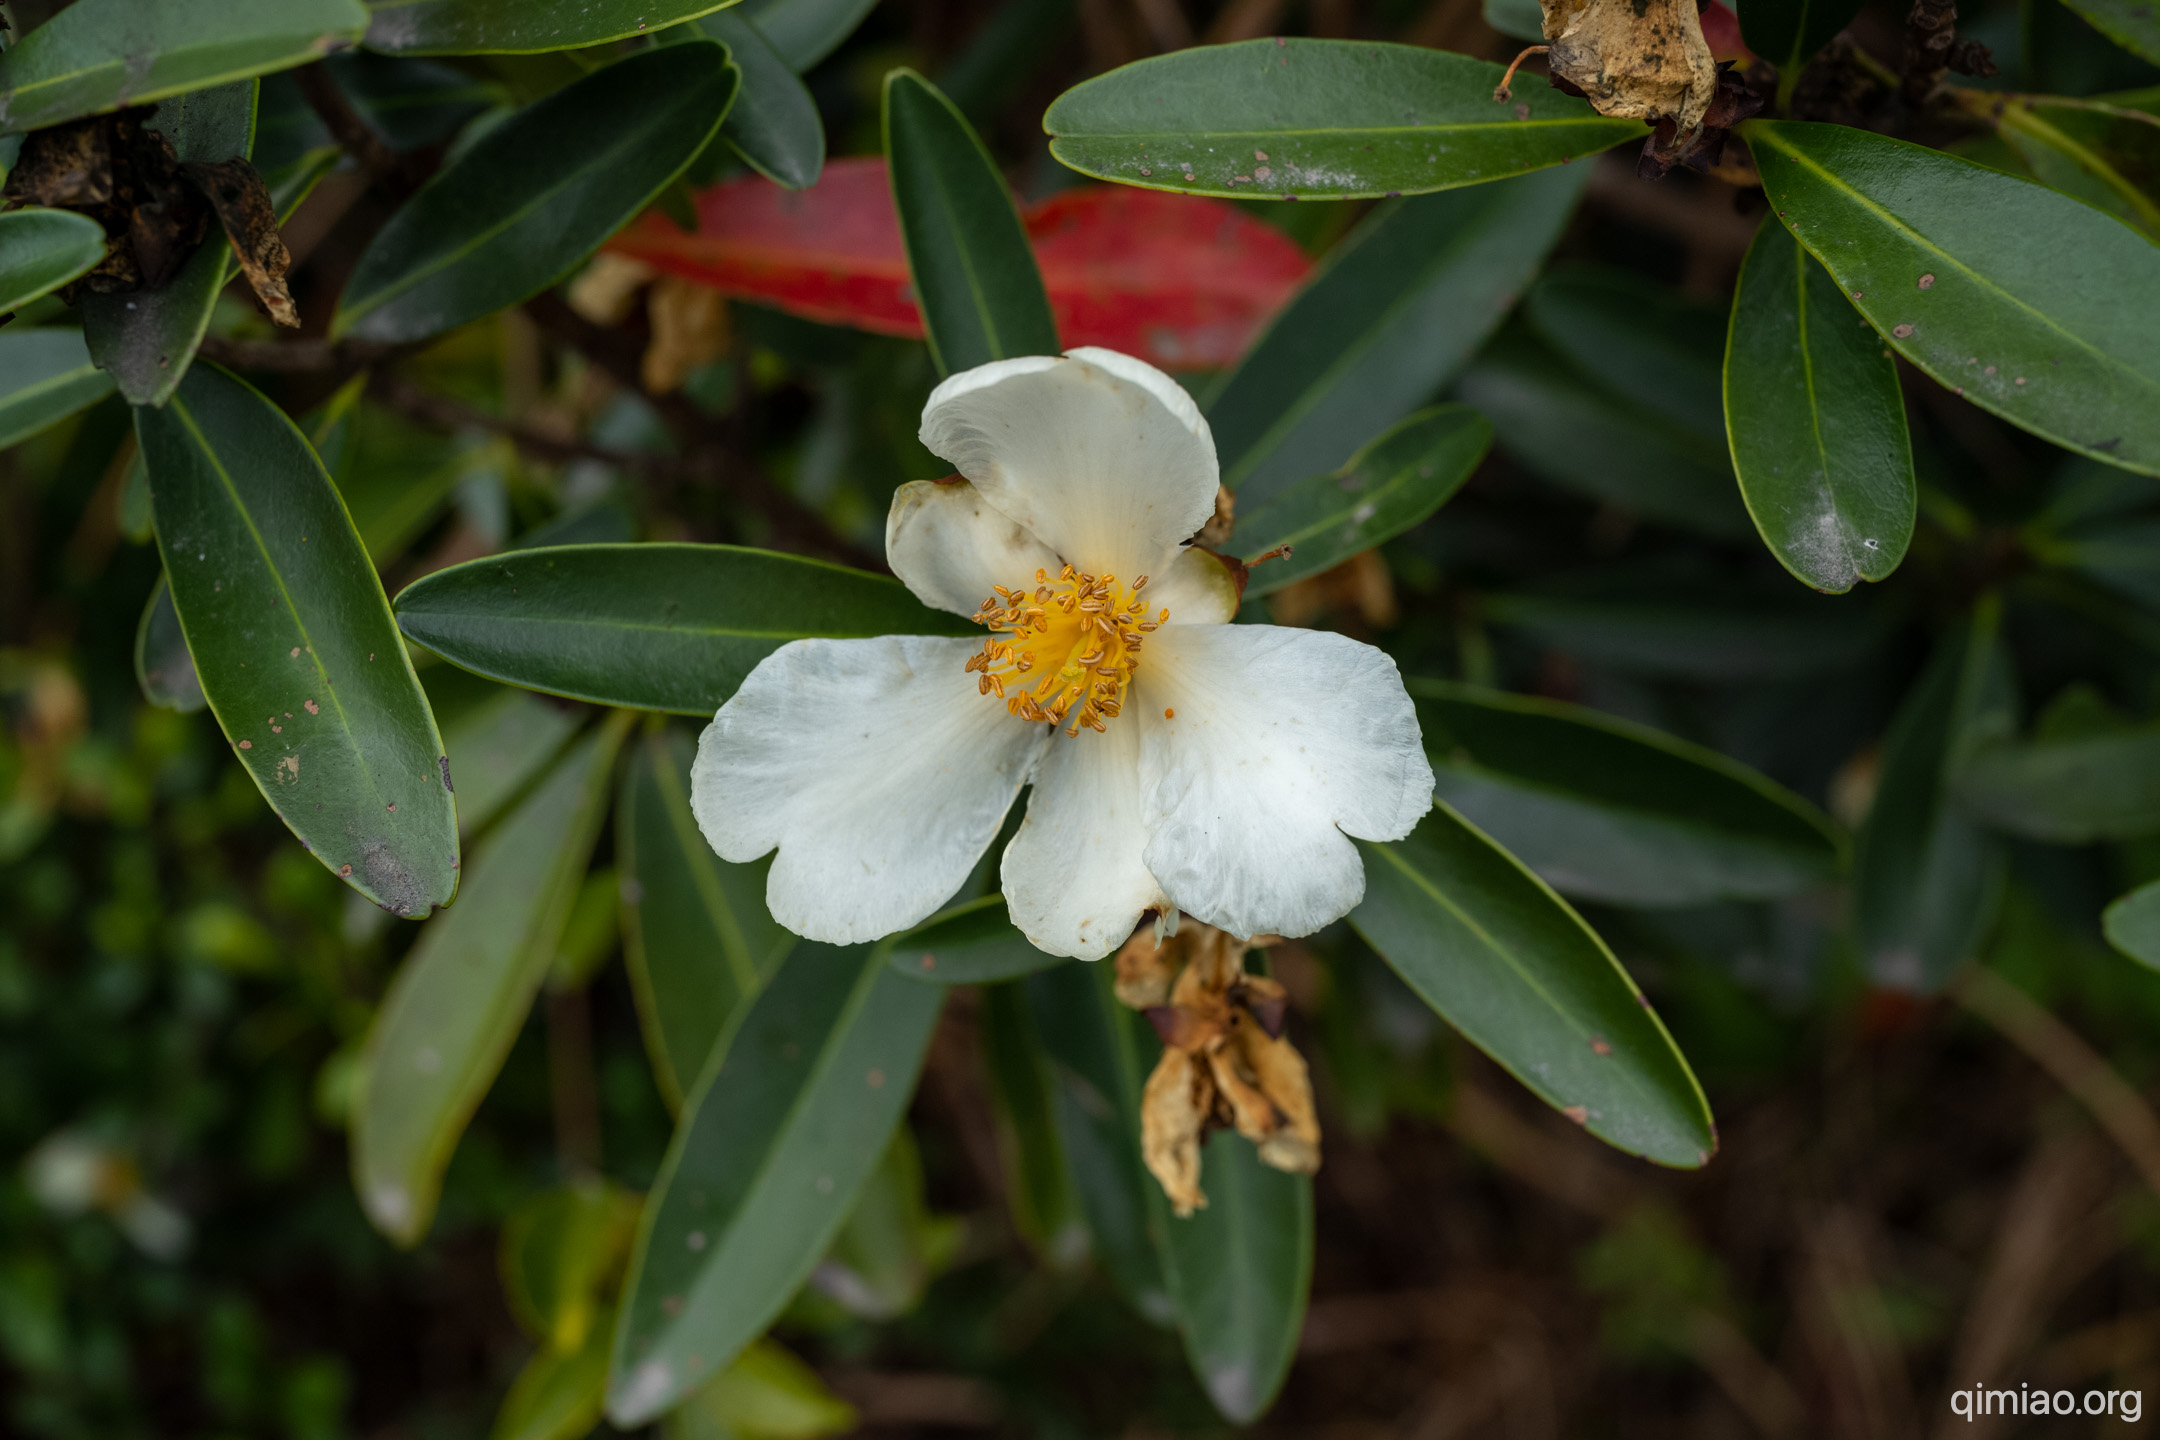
(1064, 651)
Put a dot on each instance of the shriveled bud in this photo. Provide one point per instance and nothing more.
(1174, 1111)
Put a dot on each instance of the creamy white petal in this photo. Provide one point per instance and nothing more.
(949, 545)
(1103, 456)
(875, 768)
(1199, 588)
(1073, 879)
(1282, 743)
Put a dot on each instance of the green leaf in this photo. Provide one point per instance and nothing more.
(2072, 783)
(2105, 155)
(1318, 119)
(1816, 422)
(518, 27)
(557, 1394)
(46, 375)
(163, 667)
(1606, 809)
(791, 1112)
(2131, 24)
(650, 627)
(1636, 339)
(774, 123)
(697, 937)
(767, 1394)
(525, 203)
(2132, 924)
(1388, 487)
(462, 994)
(1039, 1189)
(1522, 20)
(2018, 298)
(806, 31)
(1239, 1271)
(1392, 316)
(1787, 33)
(1509, 964)
(560, 1252)
(294, 644)
(1693, 633)
(99, 55)
(982, 298)
(1927, 879)
(146, 340)
(497, 748)
(880, 1265)
(970, 944)
(41, 250)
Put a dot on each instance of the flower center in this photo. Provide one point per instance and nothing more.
(1066, 650)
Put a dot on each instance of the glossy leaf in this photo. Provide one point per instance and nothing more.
(774, 123)
(2106, 155)
(146, 340)
(1815, 421)
(1606, 809)
(696, 934)
(2132, 924)
(46, 375)
(970, 944)
(650, 627)
(163, 667)
(767, 1394)
(793, 1109)
(294, 643)
(2014, 296)
(1787, 33)
(2131, 24)
(1388, 487)
(1505, 961)
(982, 297)
(1039, 1191)
(1318, 119)
(462, 994)
(42, 250)
(496, 749)
(1239, 1271)
(518, 27)
(1391, 318)
(99, 55)
(806, 31)
(518, 209)
(1180, 281)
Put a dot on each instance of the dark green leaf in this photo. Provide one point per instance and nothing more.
(2067, 788)
(517, 27)
(1522, 20)
(1787, 33)
(1390, 319)
(1816, 421)
(99, 55)
(1318, 119)
(774, 122)
(163, 667)
(2020, 299)
(1038, 1184)
(537, 193)
(879, 1267)
(1610, 810)
(1637, 339)
(1388, 487)
(496, 749)
(970, 944)
(696, 933)
(2131, 24)
(982, 298)
(41, 250)
(806, 31)
(462, 994)
(791, 1112)
(146, 339)
(1507, 963)
(2107, 156)
(1687, 635)
(295, 645)
(2132, 924)
(651, 627)
(1239, 1271)
(45, 376)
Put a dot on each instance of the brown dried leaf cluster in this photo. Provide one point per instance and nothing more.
(1634, 59)
(1225, 1062)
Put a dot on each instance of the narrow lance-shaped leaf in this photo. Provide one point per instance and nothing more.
(774, 122)
(536, 194)
(2106, 155)
(1318, 119)
(41, 250)
(970, 944)
(2129, 23)
(673, 628)
(1038, 1184)
(1393, 316)
(2132, 924)
(806, 31)
(1639, 339)
(498, 748)
(793, 1109)
(1815, 421)
(518, 27)
(46, 375)
(98, 55)
(294, 644)
(982, 298)
(1509, 964)
(462, 994)
(2018, 298)
(163, 667)
(2087, 774)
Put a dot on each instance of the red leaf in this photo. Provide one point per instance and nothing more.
(1721, 32)
(1179, 280)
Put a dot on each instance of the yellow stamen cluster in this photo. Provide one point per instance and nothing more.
(1066, 649)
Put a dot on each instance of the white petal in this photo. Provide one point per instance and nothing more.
(949, 545)
(876, 769)
(1199, 588)
(1282, 742)
(1073, 879)
(1104, 457)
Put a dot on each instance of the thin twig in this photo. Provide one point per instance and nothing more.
(298, 357)
(353, 134)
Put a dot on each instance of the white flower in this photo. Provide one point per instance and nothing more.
(1177, 759)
